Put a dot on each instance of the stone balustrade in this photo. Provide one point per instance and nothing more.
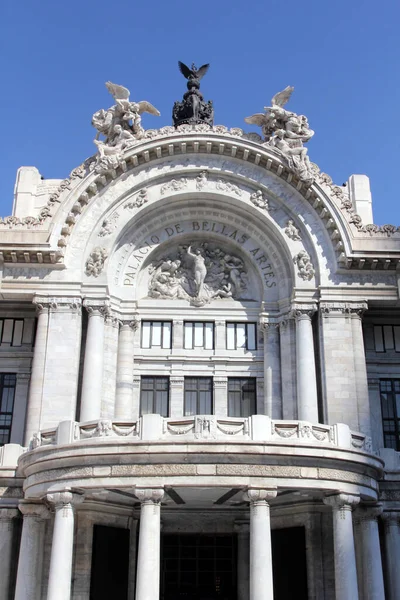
(257, 428)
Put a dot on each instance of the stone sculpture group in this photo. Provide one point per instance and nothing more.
(198, 275)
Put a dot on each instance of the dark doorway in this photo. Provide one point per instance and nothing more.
(110, 563)
(289, 563)
(198, 567)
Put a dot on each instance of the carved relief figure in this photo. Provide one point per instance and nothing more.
(198, 275)
(287, 132)
(291, 231)
(95, 262)
(304, 265)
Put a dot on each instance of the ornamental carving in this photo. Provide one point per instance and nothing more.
(291, 231)
(198, 273)
(304, 265)
(95, 262)
(109, 225)
(139, 200)
(175, 185)
(257, 198)
(287, 132)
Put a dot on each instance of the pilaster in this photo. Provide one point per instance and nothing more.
(272, 361)
(307, 400)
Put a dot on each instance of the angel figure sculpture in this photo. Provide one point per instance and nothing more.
(287, 132)
(124, 112)
(275, 116)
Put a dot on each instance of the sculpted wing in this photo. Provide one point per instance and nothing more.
(119, 92)
(202, 71)
(145, 106)
(257, 119)
(281, 98)
(186, 72)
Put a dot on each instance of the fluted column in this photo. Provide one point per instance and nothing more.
(37, 374)
(60, 572)
(371, 576)
(93, 364)
(392, 554)
(346, 586)
(243, 559)
(261, 581)
(307, 399)
(272, 380)
(124, 386)
(7, 516)
(148, 559)
(30, 562)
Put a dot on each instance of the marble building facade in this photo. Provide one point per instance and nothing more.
(199, 367)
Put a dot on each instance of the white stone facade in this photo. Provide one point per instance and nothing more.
(197, 339)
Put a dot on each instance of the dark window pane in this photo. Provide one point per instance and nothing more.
(7, 393)
(154, 395)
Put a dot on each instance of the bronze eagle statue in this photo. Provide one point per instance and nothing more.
(193, 73)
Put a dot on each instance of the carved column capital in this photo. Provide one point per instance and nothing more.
(129, 323)
(365, 512)
(268, 325)
(8, 514)
(57, 304)
(149, 495)
(32, 509)
(97, 307)
(342, 501)
(391, 518)
(64, 498)
(301, 312)
(256, 495)
(340, 309)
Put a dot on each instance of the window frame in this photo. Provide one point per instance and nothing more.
(246, 325)
(156, 378)
(198, 390)
(152, 345)
(253, 380)
(203, 323)
(7, 427)
(396, 418)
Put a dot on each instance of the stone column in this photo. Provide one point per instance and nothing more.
(60, 572)
(133, 523)
(307, 400)
(261, 582)
(176, 399)
(371, 577)
(37, 374)
(55, 367)
(287, 341)
(30, 562)
(392, 554)
(243, 560)
(272, 380)
(346, 586)
(148, 559)
(360, 368)
(124, 387)
(220, 335)
(93, 365)
(220, 390)
(7, 515)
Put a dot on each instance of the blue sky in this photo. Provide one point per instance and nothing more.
(342, 57)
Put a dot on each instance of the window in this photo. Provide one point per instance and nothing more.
(156, 334)
(390, 402)
(241, 335)
(154, 396)
(7, 393)
(11, 331)
(199, 335)
(387, 337)
(241, 396)
(198, 396)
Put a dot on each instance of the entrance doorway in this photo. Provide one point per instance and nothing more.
(198, 567)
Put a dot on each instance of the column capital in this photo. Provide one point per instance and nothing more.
(267, 324)
(303, 312)
(391, 518)
(242, 526)
(365, 512)
(32, 509)
(149, 495)
(8, 514)
(97, 307)
(128, 323)
(339, 309)
(111, 318)
(57, 304)
(256, 495)
(63, 498)
(342, 501)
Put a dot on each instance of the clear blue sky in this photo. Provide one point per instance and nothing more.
(341, 56)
